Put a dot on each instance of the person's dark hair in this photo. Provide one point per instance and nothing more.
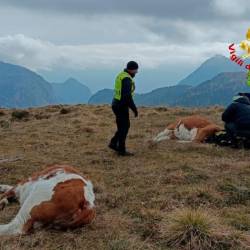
(132, 65)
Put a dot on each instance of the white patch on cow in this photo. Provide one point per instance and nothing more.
(33, 193)
(5, 188)
(184, 134)
(164, 135)
(89, 193)
(23, 191)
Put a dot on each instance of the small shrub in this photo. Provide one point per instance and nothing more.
(64, 111)
(2, 113)
(161, 109)
(20, 114)
(4, 124)
(41, 116)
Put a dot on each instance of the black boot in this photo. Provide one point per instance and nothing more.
(125, 153)
(113, 146)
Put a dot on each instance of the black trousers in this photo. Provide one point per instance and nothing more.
(242, 129)
(231, 128)
(123, 125)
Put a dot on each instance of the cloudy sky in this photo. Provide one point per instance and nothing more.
(93, 39)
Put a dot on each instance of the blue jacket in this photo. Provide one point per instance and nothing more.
(238, 112)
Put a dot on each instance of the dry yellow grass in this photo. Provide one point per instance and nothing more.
(134, 196)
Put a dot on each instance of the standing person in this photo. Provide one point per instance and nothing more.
(122, 101)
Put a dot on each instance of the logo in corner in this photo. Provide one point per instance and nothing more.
(245, 45)
(240, 58)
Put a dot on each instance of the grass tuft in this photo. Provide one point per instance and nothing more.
(196, 229)
(189, 227)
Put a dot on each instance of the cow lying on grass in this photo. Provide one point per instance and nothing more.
(191, 128)
(58, 196)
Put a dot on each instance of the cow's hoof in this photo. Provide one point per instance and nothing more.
(3, 203)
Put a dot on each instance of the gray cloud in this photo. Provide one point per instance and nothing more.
(38, 54)
(93, 34)
(190, 9)
(66, 28)
(86, 21)
(181, 9)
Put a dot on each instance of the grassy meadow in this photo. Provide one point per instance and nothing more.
(168, 196)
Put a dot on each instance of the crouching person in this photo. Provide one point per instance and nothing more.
(237, 115)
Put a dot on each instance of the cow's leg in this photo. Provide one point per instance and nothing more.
(164, 135)
(23, 221)
(9, 195)
(205, 132)
(5, 188)
(3, 202)
(15, 227)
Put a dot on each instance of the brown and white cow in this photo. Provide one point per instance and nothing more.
(191, 128)
(58, 196)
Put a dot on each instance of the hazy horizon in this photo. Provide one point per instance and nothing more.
(93, 40)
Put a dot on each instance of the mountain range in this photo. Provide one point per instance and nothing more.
(217, 91)
(71, 92)
(209, 69)
(22, 88)
(213, 83)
